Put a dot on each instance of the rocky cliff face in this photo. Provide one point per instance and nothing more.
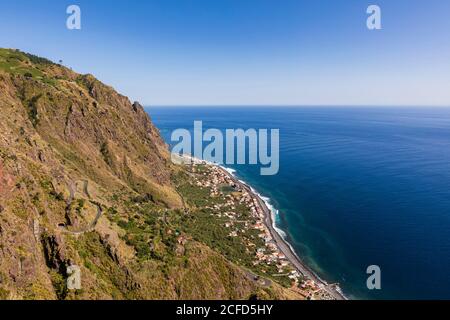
(82, 170)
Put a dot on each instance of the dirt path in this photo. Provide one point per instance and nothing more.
(263, 282)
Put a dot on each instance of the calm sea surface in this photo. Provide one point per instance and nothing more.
(356, 187)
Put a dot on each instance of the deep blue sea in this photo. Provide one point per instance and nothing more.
(356, 187)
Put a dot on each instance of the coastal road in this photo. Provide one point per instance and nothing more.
(290, 255)
(283, 246)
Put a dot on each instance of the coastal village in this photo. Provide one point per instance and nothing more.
(237, 195)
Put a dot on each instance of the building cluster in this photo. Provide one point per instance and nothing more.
(216, 179)
(233, 194)
(237, 194)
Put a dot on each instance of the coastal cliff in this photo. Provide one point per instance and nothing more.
(87, 181)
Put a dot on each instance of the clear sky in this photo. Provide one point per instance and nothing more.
(246, 52)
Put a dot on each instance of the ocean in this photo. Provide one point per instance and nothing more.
(356, 187)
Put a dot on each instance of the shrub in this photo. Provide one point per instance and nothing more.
(37, 60)
(33, 110)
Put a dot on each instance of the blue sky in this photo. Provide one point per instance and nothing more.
(246, 52)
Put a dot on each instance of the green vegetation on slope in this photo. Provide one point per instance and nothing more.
(69, 142)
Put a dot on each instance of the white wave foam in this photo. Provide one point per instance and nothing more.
(268, 204)
(275, 213)
(229, 170)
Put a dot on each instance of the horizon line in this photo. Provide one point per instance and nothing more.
(291, 105)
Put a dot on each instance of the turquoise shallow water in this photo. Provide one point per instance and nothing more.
(356, 187)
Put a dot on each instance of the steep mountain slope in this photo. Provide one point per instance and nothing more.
(86, 180)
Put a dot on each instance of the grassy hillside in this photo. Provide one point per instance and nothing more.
(86, 180)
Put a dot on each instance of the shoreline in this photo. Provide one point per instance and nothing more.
(284, 246)
(269, 221)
